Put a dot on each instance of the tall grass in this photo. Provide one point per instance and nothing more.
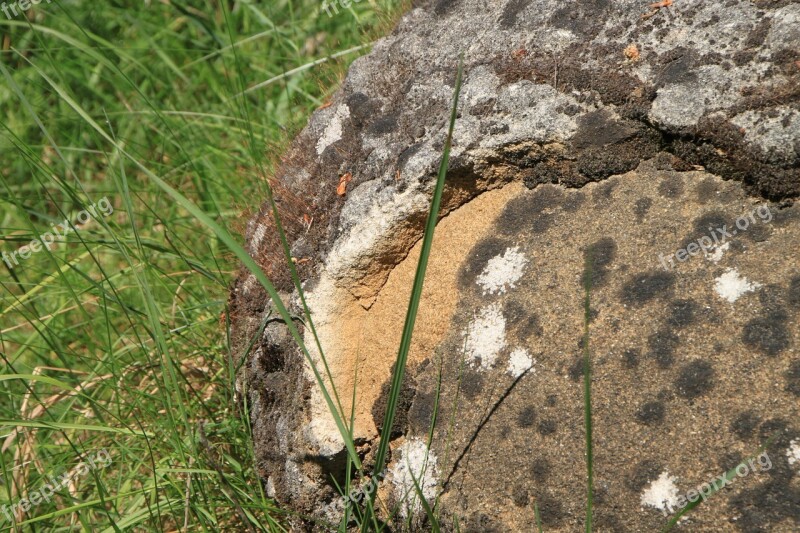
(115, 338)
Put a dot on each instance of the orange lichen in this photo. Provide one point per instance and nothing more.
(632, 52)
(341, 189)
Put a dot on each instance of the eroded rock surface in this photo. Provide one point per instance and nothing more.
(667, 147)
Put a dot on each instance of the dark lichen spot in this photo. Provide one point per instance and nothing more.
(541, 222)
(706, 190)
(758, 233)
(515, 217)
(771, 298)
(794, 292)
(383, 125)
(712, 221)
(793, 378)
(530, 327)
(695, 379)
(522, 323)
(630, 358)
(581, 18)
(407, 154)
(514, 312)
(678, 67)
(362, 108)
(601, 252)
(576, 368)
(602, 194)
(643, 473)
(730, 460)
(540, 469)
(778, 432)
(671, 187)
(790, 215)
(606, 520)
(478, 257)
(651, 413)
(681, 313)
(744, 425)
(546, 196)
(526, 417)
(551, 510)
(511, 12)
(444, 7)
(520, 496)
(641, 207)
(759, 34)
(573, 201)
(483, 107)
(472, 384)
(598, 129)
(552, 400)
(765, 508)
(644, 287)
(481, 523)
(548, 426)
(422, 410)
(272, 359)
(776, 501)
(597, 257)
(400, 424)
(767, 334)
(527, 212)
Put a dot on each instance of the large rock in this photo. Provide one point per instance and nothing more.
(583, 127)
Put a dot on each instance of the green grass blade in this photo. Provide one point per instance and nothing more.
(537, 516)
(434, 523)
(416, 293)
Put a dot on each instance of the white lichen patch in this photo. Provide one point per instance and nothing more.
(793, 452)
(250, 285)
(415, 462)
(503, 271)
(661, 494)
(519, 361)
(333, 132)
(486, 336)
(717, 252)
(258, 236)
(730, 286)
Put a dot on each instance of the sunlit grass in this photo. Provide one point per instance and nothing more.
(115, 338)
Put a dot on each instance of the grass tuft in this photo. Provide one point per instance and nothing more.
(117, 336)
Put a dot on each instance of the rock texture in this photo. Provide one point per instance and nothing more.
(667, 147)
